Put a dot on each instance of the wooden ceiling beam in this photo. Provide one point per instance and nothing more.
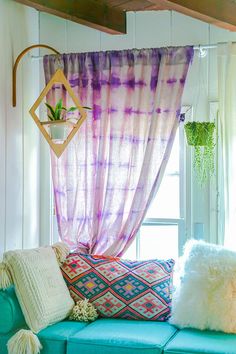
(92, 13)
(221, 13)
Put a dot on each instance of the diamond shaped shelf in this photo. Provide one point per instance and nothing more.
(58, 148)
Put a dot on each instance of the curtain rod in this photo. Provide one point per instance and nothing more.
(201, 48)
(205, 47)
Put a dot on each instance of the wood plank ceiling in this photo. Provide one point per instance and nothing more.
(110, 15)
(221, 13)
(135, 5)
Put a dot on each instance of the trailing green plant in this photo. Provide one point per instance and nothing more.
(59, 112)
(200, 135)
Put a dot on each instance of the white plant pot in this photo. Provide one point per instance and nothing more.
(58, 131)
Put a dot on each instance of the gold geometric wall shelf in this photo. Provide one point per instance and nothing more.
(58, 148)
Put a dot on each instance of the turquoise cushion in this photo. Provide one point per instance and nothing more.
(4, 338)
(54, 338)
(11, 316)
(119, 336)
(189, 341)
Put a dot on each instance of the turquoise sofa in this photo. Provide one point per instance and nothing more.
(112, 336)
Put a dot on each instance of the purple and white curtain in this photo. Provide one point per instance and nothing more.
(111, 170)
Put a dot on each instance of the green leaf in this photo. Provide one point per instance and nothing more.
(51, 118)
(58, 109)
(50, 109)
(59, 114)
(85, 107)
(201, 136)
(59, 104)
(72, 109)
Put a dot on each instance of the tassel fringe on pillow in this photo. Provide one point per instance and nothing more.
(5, 276)
(24, 342)
(61, 250)
(83, 311)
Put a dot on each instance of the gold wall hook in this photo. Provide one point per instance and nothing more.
(17, 62)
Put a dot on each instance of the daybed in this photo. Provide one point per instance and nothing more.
(112, 336)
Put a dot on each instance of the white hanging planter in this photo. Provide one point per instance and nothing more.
(58, 131)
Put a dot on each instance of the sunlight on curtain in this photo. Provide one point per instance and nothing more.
(227, 112)
(105, 180)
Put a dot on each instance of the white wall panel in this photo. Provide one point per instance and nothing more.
(217, 35)
(152, 29)
(187, 30)
(85, 39)
(2, 132)
(19, 203)
(14, 129)
(53, 32)
(124, 41)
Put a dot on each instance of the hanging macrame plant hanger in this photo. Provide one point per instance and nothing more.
(201, 136)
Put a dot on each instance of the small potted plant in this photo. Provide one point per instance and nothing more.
(59, 114)
(200, 135)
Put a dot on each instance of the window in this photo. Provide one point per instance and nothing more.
(163, 230)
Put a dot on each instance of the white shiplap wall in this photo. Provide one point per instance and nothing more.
(157, 29)
(19, 140)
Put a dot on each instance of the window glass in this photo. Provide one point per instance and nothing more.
(166, 201)
(131, 251)
(159, 241)
(158, 236)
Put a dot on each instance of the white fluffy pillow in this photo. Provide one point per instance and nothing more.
(39, 285)
(206, 295)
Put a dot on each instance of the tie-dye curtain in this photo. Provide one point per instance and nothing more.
(106, 179)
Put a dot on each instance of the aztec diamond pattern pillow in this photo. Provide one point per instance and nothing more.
(121, 288)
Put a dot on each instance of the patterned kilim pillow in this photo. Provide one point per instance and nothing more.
(121, 288)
